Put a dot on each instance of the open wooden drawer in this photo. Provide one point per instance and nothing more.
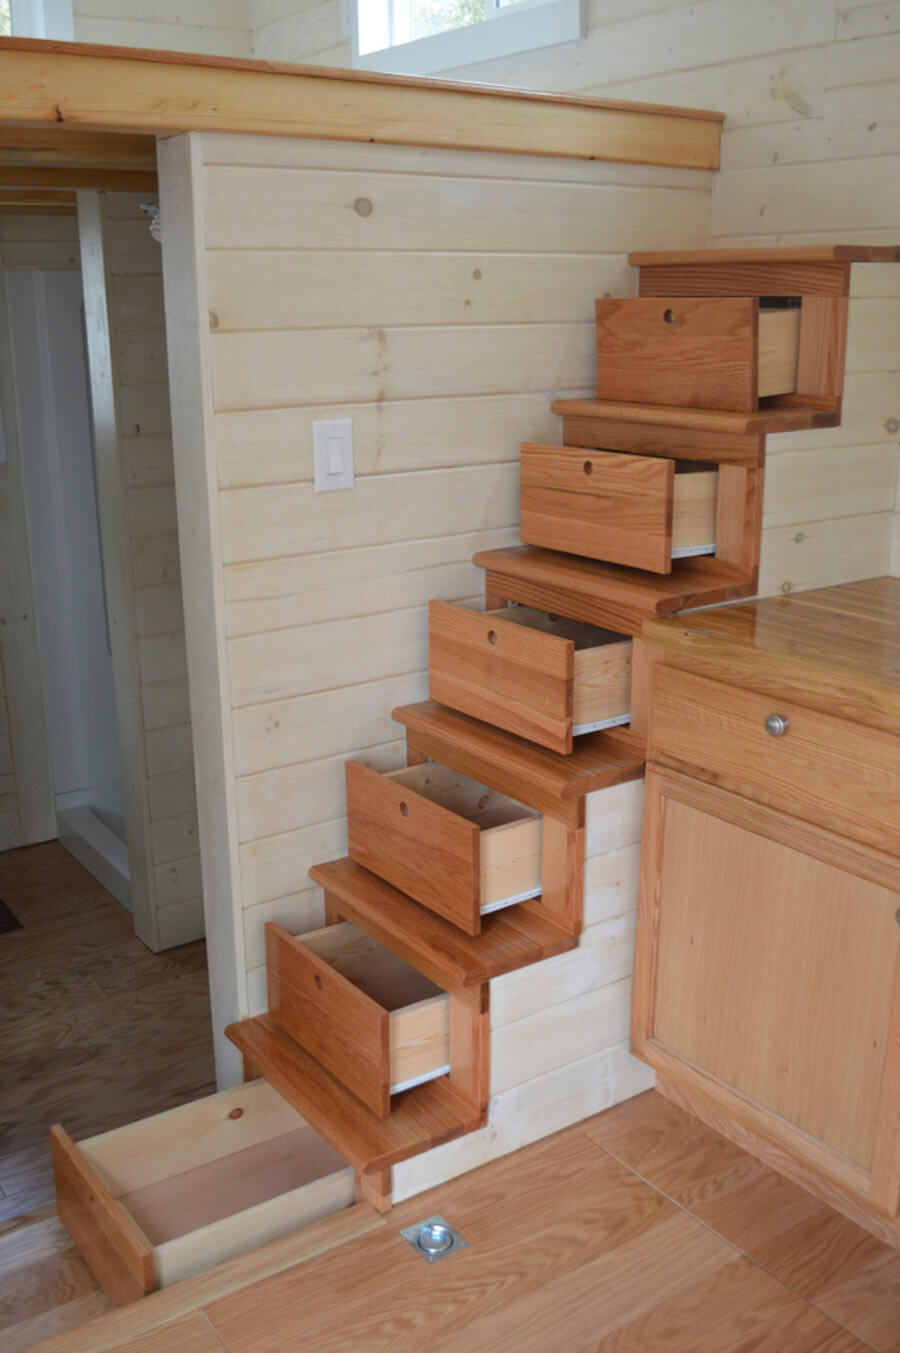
(641, 511)
(369, 1018)
(459, 848)
(540, 676)
(704, 352)
(169, 1196)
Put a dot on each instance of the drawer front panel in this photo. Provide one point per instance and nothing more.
(599, 504)
(332, 1019)
(827, 770)
(697, 353)
(505, 674)
(420, 847)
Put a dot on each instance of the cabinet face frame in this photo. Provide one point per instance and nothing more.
(877, 1189)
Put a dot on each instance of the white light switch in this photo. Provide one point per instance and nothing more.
(333, 453)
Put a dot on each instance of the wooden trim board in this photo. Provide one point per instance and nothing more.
(95, 87)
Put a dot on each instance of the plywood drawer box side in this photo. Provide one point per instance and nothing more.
(696, 352)
(640, 511)
(454, 845)
(370, 1019)
(170, 1196)
(542, 677)
(842, 775)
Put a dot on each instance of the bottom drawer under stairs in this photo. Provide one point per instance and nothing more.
(170, 1196)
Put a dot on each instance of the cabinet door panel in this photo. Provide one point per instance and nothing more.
(766, 962)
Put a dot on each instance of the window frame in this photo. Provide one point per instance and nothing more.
(505, 31)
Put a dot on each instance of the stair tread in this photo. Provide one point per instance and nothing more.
(420, 1119)
(545, 780)
(509, 939)
(777, 418)
(796, 253)
(608, 595)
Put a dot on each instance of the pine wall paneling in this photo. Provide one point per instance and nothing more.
(440, 299)
(811, 93)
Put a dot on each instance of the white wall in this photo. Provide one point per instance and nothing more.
(67, 568)
(217, 27)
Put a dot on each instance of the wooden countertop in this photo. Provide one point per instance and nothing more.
(63, 85)
(835, 648)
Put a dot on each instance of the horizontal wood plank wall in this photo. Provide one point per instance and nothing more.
(216, 27)
(138, 341)
(440, 299)
(809, 154)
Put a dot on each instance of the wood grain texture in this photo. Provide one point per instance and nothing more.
(113, 1246)
(58, 82)
(783, 253)
(509, 939)
(420, 847)
(619, 1232)
(703, 353)
(421, 1118)
(562, 875)
(774, 418)
(602, 505)
(507, 675)
(332, 1019)
(654, 439)
(822, 349)
(825, 277)
(608, 595)
(719, 733)
(548, 781)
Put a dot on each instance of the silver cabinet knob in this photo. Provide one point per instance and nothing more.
(776, 725)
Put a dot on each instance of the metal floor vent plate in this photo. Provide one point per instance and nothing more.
(434, 1239)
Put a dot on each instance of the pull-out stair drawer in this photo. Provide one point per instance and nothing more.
(542, 677)
(369, 1018)
(641, 511)
(459, 848)
(169, 1196)
(696, 352)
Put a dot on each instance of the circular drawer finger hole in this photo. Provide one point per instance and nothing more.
(669, 316)
(492, 636)
(404, 810)
(588, 467)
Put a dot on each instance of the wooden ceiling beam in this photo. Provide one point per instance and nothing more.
(13, 200)
(120, 88)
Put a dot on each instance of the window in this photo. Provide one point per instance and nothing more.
(420, 37)
(41, 19)
(5, 26)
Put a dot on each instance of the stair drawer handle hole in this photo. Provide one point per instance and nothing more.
(669, 316)
(492, 636)
(318, 981)
(588, 467)
(404, 810)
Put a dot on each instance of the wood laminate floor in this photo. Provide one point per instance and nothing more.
(95, 1031)
(638, 1231)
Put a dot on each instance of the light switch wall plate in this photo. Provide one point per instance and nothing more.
(333, 454)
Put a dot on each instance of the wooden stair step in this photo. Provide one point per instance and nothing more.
(784, 253)
(509, 939)
(421, 1118)
(607, 595)
(774, 418)
(547, 781)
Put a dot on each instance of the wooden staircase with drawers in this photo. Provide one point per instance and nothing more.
(469, 863)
